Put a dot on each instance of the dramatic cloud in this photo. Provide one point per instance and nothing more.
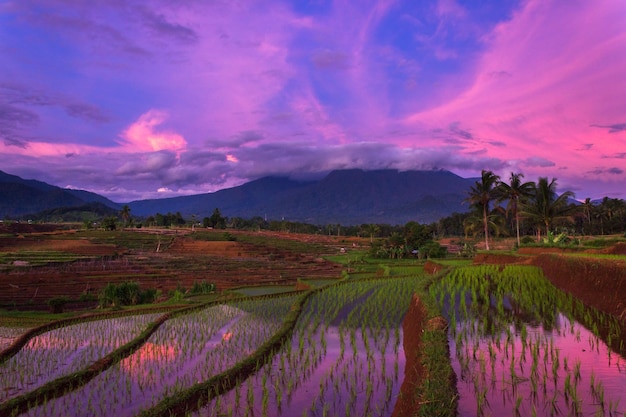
(171, 98)
(143, 135)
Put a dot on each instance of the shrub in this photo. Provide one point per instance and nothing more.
(124, 294)
(176, 296)
(527, 240)
(468, 249)
(433, 250)
(202, 287)
(57, 304)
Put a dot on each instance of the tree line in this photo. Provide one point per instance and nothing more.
(535, 209)
(526, 210)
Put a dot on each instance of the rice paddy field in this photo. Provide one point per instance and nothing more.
(344, 355)
(521, 347)
(488, 339)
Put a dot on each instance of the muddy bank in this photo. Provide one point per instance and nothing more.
(412, 326)
(599, 283)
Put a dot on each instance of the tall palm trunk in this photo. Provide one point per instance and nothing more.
(517, 228)
(486, 226)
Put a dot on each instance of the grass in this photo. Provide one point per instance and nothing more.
(271, 242)
(316, 283)
(262, 290)
(437, 391)
(596, 256)
(453, 262)
(35, 258)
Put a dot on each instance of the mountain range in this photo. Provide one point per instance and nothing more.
(346, 197)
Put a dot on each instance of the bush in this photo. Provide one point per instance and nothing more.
(527, 240)
(124, 294)
(176, 297)
(57, 304)
(601, 243)
(468, 249)
(433, 250)
(202, 287)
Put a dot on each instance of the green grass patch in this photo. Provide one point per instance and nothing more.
(601, 242)
(262, 290)
(36, 258)
(454, 262)
(318, 283)
(123, 238)
(270, 242)
(212, 236)
(596, 256)
(350, 257)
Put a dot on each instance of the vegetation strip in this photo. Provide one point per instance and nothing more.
(436, 392)
(67, 383)
(22, 340)
(195, 397)
(511, 326)
(63, 385)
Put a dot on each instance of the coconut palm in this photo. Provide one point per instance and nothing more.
(545, 205)
(514, 192)
(479, 197)
(587, 209)
(371, 229)
(125, 213)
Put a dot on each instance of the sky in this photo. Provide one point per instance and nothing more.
(162, 98)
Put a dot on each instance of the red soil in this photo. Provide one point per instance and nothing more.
(226, 264)
(407, 404)
(597, 282)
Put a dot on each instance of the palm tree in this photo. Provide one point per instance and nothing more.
(125, 213)
(480, 195)
(545, 206)
(587, 209)
(371, 229)
(515, 191)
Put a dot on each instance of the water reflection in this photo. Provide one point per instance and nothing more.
(566, 370)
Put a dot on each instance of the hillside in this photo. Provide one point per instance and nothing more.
(19, 197)
(345, 197)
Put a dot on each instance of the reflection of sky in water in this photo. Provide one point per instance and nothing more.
(183, 351)
(330, 370)
(65, 350)
(573, 343)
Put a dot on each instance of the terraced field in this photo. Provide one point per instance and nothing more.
(35, 267)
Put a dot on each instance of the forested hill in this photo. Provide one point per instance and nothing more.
(347, 197)
(20, 197)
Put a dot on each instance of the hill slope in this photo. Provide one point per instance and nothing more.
(344, 197)
(19, 197)
(347, 197)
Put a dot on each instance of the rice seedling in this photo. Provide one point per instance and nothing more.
(514, 311)
(186, 350)
(65, 350)
(356, 318)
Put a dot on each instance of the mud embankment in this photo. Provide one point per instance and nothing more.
(600, 283)
(412, 327)
(597, 282)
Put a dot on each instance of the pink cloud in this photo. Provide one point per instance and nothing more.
(548, 74)
(144, 136)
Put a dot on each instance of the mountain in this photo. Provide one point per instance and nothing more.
(345, 197)
(19, 197)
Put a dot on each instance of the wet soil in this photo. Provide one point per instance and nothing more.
(597, 282)
(408, 404)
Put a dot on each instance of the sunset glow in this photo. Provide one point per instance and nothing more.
(125, 100)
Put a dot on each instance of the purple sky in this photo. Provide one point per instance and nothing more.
(145, 99)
